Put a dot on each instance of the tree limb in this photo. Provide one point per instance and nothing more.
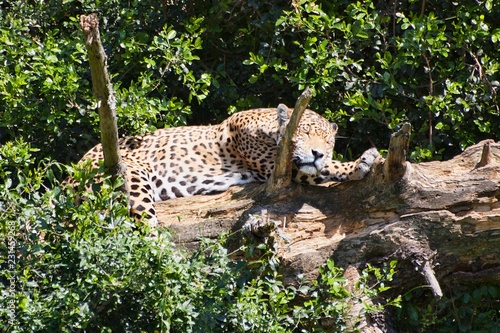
(395, 163)
(104, 93)
(281, 177)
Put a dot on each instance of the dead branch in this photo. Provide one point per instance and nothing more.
(104, 93)
(486, 157)
(281, 177)
(395, 164)
(432, 280)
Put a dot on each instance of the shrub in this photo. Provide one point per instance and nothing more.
(372, 65)
(89, 267)
(464, 308)
(376, 64)
(45, 89)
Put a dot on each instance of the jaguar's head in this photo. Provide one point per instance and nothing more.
(313, 141)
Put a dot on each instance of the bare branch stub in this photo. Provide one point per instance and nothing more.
(105, 96)
(281, 177)
(430, 277)
(90, 25)
(395, 163)
(486, 154)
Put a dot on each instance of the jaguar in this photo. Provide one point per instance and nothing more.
(199, 160)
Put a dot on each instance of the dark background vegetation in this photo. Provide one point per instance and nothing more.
(372, 65)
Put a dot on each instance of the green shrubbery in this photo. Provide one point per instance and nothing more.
(471, 308)
(372, 65)
(89, 268)
(45, 90)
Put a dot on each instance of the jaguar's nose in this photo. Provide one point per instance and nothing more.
(317, 153)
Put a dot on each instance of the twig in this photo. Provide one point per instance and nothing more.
(482, 76)
(431, 279)
(422, 8)
(431, 89)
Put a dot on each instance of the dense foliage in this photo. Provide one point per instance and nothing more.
(463, 309)
(89, 268)
(372, 65)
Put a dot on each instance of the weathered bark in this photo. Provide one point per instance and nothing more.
(104, 93)
(281, 176)
(440, 220)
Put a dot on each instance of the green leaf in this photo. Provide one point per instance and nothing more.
(493, 291)
(466, 298)
(388, 57)
(412, 313)
(171, 34)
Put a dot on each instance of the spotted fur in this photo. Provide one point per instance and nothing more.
(185, 161)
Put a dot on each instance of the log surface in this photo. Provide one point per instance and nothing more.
(439, 220)
(446, 213)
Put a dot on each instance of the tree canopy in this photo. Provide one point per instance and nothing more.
(371, 64)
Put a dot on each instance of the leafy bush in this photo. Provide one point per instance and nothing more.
(45, 89)
(88, 267)
(372, 65)
(472, 308)
(376, 64)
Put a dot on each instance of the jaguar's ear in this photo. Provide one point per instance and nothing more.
(283, 115)
(283, 118)
(335, 127)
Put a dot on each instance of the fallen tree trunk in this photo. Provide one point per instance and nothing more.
(440, 220)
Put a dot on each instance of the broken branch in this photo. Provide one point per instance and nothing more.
(395, 163)
(104, 93)
(486, 155)
(430, 277)
(281, 177)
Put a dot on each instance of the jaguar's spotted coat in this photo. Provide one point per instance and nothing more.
(186, 161)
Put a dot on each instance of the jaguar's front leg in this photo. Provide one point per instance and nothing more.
(141, 193)
(338, 171)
